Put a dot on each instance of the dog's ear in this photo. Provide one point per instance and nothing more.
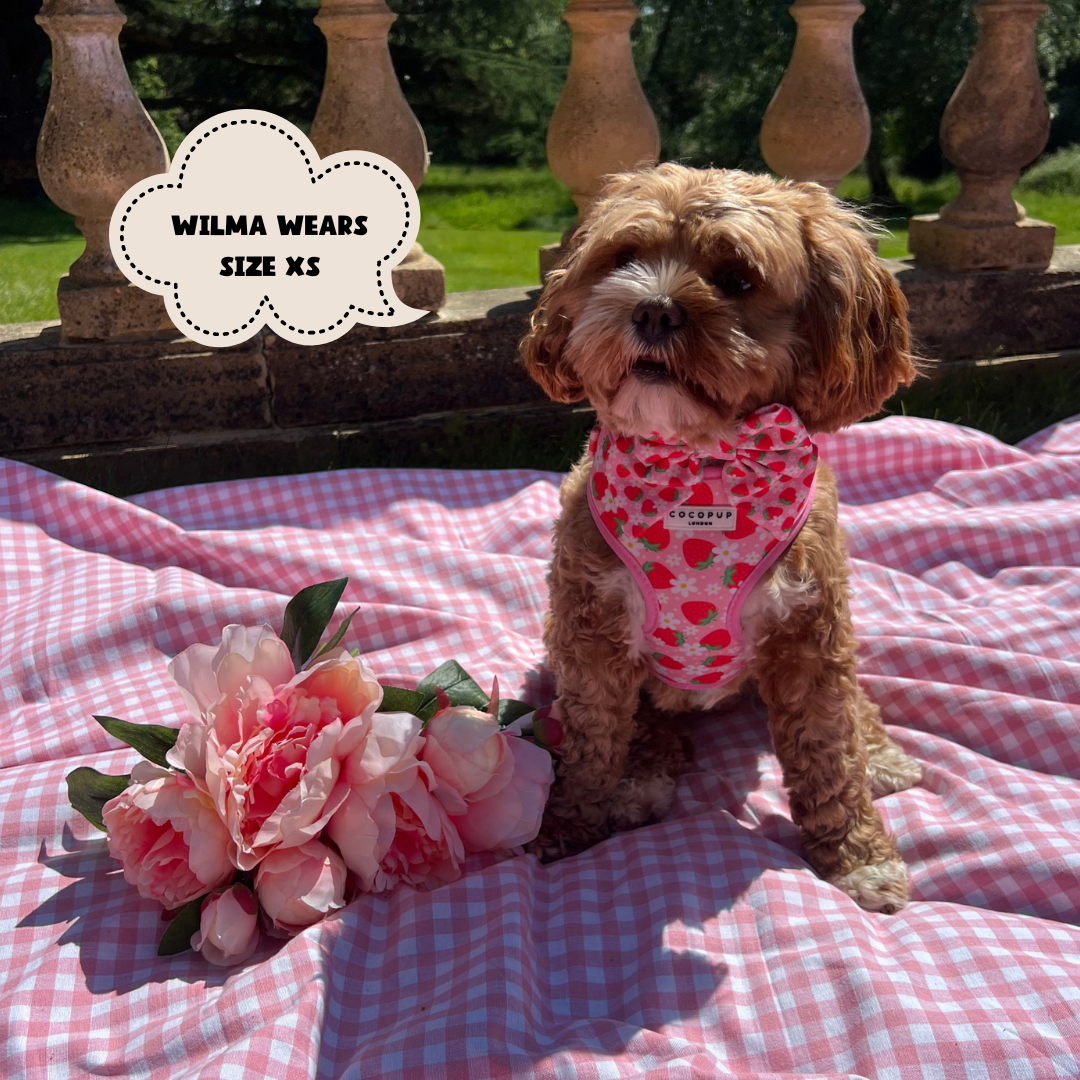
(853, 321)
(543, 346)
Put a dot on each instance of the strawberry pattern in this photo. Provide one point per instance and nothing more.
(694, 581)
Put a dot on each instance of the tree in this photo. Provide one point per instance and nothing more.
(710, 68)
(483, 75)
(24, 91)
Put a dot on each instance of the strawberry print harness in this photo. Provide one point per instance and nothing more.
(698, 529)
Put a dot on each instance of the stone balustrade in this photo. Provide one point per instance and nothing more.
(817, 126)
(95, 142)
(602, 123)
(362, 108)
(996, 122)
(97, 139)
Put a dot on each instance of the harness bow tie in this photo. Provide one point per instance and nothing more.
(769, 470)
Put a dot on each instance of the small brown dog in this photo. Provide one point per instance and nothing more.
(691, 304)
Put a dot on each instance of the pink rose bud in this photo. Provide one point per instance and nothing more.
(465, 750)
(229, 928)
(299, 886)
(547, 731)
(492, 784)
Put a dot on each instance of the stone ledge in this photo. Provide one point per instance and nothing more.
(530, 436)
(66, 403)
(59, 394)
(993, 312)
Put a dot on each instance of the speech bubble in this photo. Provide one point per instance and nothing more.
(250, 226)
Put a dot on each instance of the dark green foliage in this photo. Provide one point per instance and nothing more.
(178, 934)
(307, 615)
(151, 740)
(484, 75)
(89, 791)
(338, 635)
(398, 699)
(24, 91)
(510, 709)
(1055, 174)
(709, 69)
(458, 685)
(34, 221)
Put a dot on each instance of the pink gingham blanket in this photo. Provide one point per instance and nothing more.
(702, 946)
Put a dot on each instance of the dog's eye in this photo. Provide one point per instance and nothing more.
(624, 258)
(733, 281)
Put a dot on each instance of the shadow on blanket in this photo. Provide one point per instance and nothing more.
(109, 922)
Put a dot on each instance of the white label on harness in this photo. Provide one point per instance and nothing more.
(701, 517)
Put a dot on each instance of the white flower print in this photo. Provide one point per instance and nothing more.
(713, 589)
(668, 620)
(695, 651)
(610, 499)
(684, 586)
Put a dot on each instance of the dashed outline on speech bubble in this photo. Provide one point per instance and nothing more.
(345, 159)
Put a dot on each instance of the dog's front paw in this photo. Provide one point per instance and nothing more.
(880, 887)
(890, 769)
(568, 828)
(638, 800)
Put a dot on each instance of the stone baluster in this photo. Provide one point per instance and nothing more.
(96, 141)
(362, 108)
(817, 126)
(996, 122)
(602, 123)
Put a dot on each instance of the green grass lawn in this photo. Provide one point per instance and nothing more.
(38, 242)
(1062, 211)
(483, 225)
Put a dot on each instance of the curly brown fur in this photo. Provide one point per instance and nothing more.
(780, 299)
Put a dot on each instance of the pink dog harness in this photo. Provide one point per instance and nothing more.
(697, 530)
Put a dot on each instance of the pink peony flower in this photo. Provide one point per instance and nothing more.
(266, 747)
(167, 834)
(299, 886)
(493, 784)
(390, 827)
(229, 927)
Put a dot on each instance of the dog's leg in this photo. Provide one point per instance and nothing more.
(813, 705)
(598, 685)
(889, 768)
(819, 719)
(660, 752)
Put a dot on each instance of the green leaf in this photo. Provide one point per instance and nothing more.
(307, 615)
(397, 699)
(89, 791)
(177, 936)
(510, 709)
(458, 684)
(337, 636)
(151, 740)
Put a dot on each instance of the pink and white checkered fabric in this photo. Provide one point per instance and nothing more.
(699, 947)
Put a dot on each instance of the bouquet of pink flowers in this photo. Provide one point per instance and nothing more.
(299, 781)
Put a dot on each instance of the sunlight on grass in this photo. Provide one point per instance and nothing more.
(28, 277)
(487, 258)
(1060, 210)
(460, 197)
(484, 225)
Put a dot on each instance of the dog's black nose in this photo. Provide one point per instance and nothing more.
(657, 318)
